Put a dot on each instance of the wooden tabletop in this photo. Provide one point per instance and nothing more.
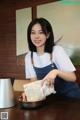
(56, 108)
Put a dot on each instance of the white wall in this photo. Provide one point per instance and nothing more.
(23, 18)
(65, 20)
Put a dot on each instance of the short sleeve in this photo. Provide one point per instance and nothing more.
(29, 70)
(62, 60)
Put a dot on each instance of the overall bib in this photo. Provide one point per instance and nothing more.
(62, 87)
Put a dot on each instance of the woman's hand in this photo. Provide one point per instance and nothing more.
(50, 77)
(23, 97)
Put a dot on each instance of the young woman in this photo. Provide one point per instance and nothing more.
(48, 61)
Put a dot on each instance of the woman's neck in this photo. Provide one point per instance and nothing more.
(40, 50)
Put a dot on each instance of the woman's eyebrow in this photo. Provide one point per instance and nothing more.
(38, 30)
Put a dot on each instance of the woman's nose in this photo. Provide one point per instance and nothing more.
(36, 35)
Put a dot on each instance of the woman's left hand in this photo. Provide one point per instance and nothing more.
(50, 77)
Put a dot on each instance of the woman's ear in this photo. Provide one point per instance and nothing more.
(48, 34)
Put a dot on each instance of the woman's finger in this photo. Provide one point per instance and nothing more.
(42, 82)
(24, 98)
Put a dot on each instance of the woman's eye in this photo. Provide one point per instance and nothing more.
(32, 32)
(41, 32)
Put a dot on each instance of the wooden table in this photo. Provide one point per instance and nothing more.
(56, 108)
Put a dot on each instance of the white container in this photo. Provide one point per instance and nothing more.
(6, 93)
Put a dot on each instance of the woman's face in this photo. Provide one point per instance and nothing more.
(38, 38)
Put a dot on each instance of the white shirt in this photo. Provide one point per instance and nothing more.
(59, 57)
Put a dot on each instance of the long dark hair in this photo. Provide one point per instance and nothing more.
(46, 28)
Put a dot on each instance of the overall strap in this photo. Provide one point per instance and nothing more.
(51, 58)
(32, 58)
(53, 64)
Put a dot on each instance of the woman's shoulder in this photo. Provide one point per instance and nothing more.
(27, 56)
(30, 54)
(57, 48)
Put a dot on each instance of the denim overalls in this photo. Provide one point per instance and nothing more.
(62, 87)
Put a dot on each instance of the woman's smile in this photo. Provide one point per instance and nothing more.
(37, 42)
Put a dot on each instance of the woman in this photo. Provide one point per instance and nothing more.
(48, 61)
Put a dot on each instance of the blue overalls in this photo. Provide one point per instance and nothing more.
(62, 87)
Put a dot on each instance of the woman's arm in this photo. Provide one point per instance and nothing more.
(65, 68)
(67, 76)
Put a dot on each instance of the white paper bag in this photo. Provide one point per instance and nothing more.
(36, 92)
(33, 91)
(47, 90)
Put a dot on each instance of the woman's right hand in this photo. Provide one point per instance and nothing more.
(24, 97)
(50, 77)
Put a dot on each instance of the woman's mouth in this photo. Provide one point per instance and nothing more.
(37, 41)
